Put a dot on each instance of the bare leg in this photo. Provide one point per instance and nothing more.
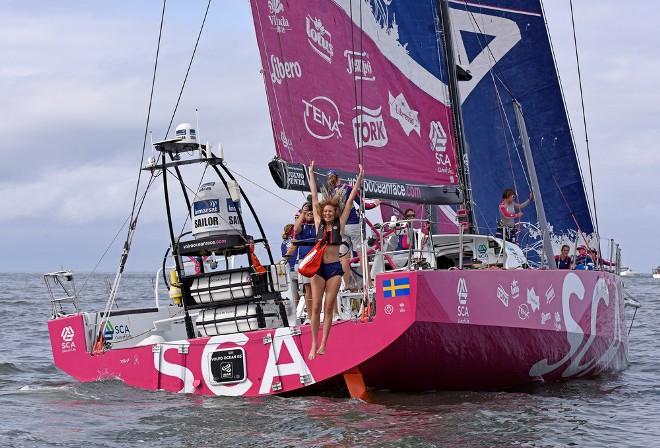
(346, 267)
(308, 299)
(331, 289)
(318, 285)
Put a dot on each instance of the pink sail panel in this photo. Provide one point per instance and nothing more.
(334, 87)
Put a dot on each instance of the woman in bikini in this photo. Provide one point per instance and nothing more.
(330, 224)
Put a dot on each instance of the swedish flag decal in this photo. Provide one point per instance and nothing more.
(396, 287)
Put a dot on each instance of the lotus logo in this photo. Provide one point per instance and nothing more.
(67, 334)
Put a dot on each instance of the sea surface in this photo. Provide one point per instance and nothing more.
(41, 406)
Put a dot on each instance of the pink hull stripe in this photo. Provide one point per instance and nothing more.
(432, 330)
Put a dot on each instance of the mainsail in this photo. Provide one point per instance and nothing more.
(360, 80)
(505, 46)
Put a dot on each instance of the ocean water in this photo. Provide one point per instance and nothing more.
(41, 406)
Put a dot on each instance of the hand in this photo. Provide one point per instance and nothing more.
(376, 202)
(531, 196)
(311, 168)
(519, 215)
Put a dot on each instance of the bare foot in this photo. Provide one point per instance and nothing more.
(321, 350)
(312, 354)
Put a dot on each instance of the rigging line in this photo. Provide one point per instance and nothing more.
(584, 118)
(201, 179)
(487, 46)
(265, 189)
(492, 71)
(563, 99)
(192, 58)
(188, 214)
(151, 96)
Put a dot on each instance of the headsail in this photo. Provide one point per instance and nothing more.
(505, 46)
(343, 75)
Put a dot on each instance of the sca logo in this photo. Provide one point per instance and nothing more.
(481, 250)
(115, 332)
(67, 340)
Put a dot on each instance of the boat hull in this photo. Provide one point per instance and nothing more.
(432, 330)
(483, 330)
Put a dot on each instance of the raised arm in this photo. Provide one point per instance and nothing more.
(315, 194)
(351, 197)
(297, 226)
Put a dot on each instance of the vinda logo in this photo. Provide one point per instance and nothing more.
(280, 70)
(277, 20)
(322, 119)
(369, 127)
(67, 340)
(319, 38)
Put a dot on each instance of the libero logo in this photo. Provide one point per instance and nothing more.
(319, 38)
(322, 119)
(359, 65)
(369, 127)
(280, 70)
(400, 111)
(67, 339)
(277, 20)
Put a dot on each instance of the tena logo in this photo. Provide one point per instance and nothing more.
(319, 38)
(438, 137)
(67, 340)
(359, 65)
(278, 21)
(369, 128)
(322, 119)
(406, 117)
(283, 70)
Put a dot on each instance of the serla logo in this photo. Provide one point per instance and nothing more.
(369, 128)
(322, 118)
(319, 38)
(278, 22)
(283, 70)
(67, 340)
(359, 65)
(407, 117)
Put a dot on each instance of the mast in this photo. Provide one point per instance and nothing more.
(533, 179)
(457, 114)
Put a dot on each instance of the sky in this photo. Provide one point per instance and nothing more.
(75, 83)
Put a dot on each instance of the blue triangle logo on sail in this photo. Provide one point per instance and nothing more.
(475, 43)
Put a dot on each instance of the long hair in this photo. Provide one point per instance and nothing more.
(286, 233)
(508, 192)
(333, 201)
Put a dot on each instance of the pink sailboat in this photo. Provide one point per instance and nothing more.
(404, 91)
